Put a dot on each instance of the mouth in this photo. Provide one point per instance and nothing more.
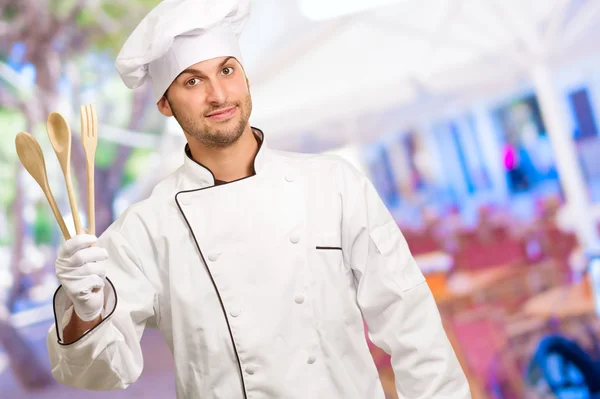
(222, 114)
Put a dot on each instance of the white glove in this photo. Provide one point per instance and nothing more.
(81, 268)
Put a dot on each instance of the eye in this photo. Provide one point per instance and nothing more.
(192, 82)
(227, 71)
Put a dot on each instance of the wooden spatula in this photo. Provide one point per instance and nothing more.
(89, 140)
(32, 158)
(60, 137)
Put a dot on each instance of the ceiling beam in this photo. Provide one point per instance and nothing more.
(556, 20)
(526, 32)
(414, 31)
(493, 56)
(514, 55)
(582, 21)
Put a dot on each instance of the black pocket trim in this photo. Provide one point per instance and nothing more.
(330, 248)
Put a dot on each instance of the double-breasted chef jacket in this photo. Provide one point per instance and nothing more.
(260, 287)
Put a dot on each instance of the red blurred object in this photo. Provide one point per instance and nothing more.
(421, 243)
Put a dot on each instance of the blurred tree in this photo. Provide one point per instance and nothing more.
(40, 41)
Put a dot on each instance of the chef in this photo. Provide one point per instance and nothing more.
(257, 266)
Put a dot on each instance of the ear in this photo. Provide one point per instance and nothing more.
(164, 107)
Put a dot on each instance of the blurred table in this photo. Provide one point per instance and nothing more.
(434, 262)
(573, 300)
(469, 283)
(435, 266)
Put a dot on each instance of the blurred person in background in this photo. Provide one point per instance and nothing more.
(257, 266)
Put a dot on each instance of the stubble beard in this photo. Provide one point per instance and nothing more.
(216, 137)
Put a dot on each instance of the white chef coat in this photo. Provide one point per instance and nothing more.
(260, 286)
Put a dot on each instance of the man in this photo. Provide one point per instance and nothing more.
(257, 266)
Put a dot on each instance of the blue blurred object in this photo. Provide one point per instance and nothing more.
(561, 366)
(583, 114)
(16, 57)
(593, 268)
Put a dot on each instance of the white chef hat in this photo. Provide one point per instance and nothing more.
(177, 34)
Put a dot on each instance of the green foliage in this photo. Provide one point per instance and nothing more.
(106, 153)
(115, 10)
(127, 179)
(12, 122)
(9, 12)
(136, 165)
(124, 13)
(109, 42)
(7, 181)
(43, 225)
(85, 17)
(97, 82)
(61, 8)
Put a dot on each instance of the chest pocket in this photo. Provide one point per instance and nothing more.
(329, 243)
(330, 258)
(325, 243)
(335, 286)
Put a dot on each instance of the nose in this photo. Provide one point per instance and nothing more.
(216, 93)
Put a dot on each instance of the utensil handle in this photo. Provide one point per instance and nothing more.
(73, 202)
(91, 196)
(57, 214)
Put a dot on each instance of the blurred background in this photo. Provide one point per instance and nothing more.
(477, 121)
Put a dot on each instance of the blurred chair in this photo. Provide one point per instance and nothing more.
(475, 253)
(558, 245)
(487, 357)
(524, 334)
(421, 242)
(527, 281)
(564, 368)
(585, 330)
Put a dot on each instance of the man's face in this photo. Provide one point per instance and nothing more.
(211, 101)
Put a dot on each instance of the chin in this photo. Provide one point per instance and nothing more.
(228, 130)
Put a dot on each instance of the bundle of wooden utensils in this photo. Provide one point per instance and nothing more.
(32, 158)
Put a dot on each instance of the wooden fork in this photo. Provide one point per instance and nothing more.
(89, 140)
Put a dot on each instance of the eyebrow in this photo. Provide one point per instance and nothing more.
(194, 71)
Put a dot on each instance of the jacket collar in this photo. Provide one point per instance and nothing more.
(200, 175)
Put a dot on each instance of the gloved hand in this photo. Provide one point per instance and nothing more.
(81, 268)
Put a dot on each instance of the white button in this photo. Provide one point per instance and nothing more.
(235, 312)
(185, 200)
(289, 177)
(295, 238)
(299, 299)
(250, 370)
(311, 359)
(213, 256)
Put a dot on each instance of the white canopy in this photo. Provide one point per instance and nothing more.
(305, 74)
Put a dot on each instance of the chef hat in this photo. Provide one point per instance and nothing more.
(177, 34)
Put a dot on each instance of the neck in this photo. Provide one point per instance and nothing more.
(230, 163)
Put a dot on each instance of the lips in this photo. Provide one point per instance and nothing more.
(222, 113)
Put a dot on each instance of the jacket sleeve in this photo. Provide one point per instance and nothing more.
(108, 356)
(396, 303)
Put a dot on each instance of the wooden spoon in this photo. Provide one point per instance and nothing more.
(60, 137)
(32, 158)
